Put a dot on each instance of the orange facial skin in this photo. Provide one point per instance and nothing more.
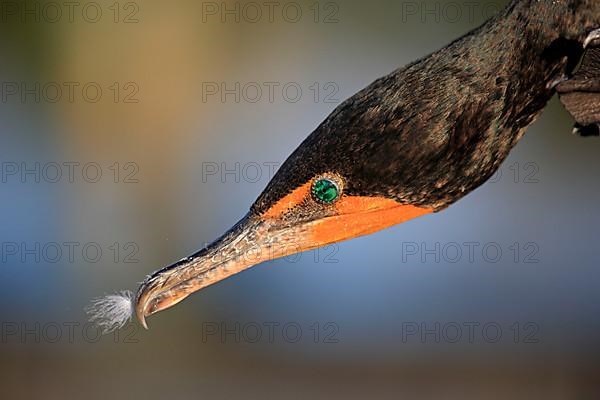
(358, 216)
(349, 217)
(290, 201)
(295, 223)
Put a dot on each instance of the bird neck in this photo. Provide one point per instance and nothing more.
(533, 25)
(533, 41)
(501, 76)
(569, 19)
(531, 44)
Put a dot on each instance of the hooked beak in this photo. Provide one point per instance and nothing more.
(249, 242)
(258, 238)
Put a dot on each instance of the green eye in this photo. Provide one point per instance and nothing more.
(325, 190)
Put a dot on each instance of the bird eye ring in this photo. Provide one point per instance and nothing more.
(326, 189)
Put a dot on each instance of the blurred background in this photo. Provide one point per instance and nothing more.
(132, 133)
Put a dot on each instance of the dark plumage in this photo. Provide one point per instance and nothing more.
(410, 143)
(430, 132)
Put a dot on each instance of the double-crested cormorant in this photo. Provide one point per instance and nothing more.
(411, 143)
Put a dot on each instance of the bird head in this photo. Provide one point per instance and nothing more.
(339, 184)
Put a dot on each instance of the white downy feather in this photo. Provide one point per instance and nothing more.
(111, 312)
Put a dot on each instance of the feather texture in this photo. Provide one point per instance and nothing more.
(111, 312)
